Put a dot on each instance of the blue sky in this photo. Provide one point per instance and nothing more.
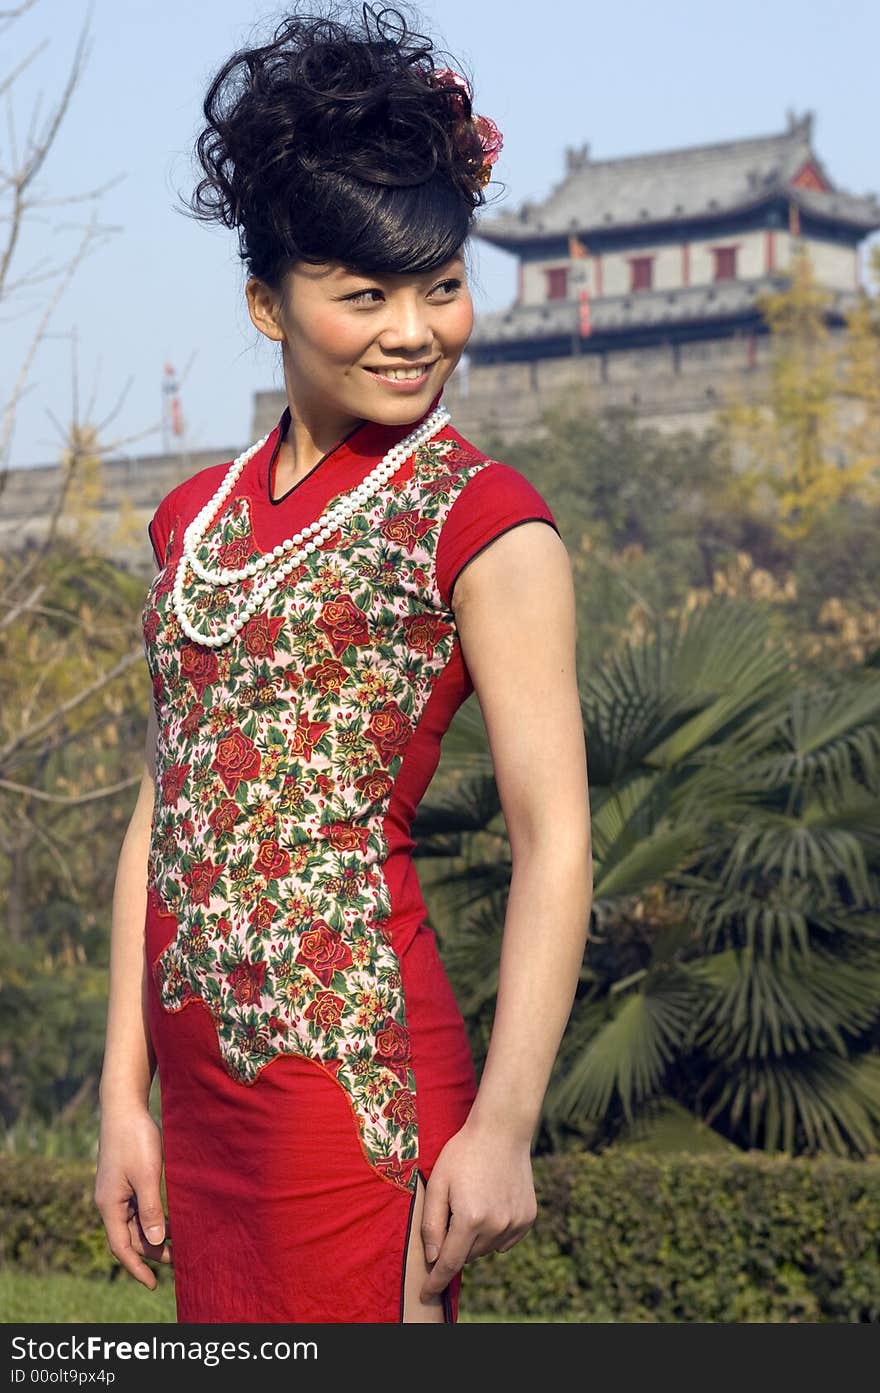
(626, 78)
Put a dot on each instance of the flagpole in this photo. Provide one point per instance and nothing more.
(579, 253)
(172, 420)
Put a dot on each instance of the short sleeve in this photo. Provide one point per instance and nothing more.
(159, 526)
(493, 501)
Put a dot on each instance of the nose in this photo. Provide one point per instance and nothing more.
(408, 329)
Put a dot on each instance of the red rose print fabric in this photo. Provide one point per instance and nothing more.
(290, 762)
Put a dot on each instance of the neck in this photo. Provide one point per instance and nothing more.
(315, 429)
(309, 439)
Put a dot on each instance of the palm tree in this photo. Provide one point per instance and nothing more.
(733, 965)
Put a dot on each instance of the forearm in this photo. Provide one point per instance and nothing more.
(545, 933)
(129, 1060)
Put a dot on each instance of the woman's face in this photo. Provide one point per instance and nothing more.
(341, 330)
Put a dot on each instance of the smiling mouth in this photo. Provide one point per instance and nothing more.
(410, 374)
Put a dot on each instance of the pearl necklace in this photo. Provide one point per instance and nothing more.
(301, 544)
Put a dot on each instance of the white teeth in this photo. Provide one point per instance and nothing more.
(397, 373)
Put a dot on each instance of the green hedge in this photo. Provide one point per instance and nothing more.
(693, 1238)
(49, 1221)
(619, 1237)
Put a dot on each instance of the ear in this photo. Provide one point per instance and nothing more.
(263, 308)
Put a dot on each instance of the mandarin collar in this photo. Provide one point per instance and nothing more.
(369, 440)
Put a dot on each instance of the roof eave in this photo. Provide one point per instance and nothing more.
(509, 239)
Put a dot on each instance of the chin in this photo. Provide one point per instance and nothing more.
(396, 410)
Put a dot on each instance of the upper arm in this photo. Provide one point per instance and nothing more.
(514, 607)
(150, 744)
(495, 499)
(147, 791)
(152, 726)
(142, 813)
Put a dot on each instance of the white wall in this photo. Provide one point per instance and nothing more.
(834, 265)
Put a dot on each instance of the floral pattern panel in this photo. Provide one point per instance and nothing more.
(276, 760)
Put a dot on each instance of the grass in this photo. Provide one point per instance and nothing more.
(66, 1299)
(63, 1297)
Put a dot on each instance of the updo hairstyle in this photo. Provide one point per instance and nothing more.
(330, 144)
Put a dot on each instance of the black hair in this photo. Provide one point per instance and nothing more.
(331, 143)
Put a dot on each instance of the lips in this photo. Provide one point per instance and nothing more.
(403, 386)
(377, 372)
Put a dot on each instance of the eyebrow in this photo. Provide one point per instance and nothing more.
(343, 272)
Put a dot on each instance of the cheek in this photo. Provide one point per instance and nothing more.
(336, 337)
(460, 323)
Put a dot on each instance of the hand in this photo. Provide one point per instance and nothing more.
(481, 1186)
(127, 1190)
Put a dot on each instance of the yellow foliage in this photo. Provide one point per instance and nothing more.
(83, 474)
(742, 579)
(128, 526)
(849, 630)
(812, 438)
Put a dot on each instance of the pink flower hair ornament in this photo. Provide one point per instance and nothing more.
(487, 132)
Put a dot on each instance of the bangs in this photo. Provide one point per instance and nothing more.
(387, 229)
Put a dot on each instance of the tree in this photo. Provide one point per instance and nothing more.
(74, 700)
(812, 438)
(733, 965)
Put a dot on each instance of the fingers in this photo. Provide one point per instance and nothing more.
(161, 1252)
(496, 1242)
(452, 1256)
(435, 1217)
(150, 1212)
(116, 1220)
(133, 1216)
(466, 1238)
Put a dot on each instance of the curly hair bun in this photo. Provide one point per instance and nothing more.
(324, 143)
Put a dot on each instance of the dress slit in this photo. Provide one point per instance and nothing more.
(447, 1295)
(412, 1210)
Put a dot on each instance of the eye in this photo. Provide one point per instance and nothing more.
(360, 295)
(452, 284)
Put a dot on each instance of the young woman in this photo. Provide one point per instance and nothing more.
(324, 604)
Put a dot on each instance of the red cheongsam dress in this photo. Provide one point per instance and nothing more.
(312, 1059)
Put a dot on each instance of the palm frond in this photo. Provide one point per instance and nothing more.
(472, 952)
(636, 863)
(659, 700)
(471, 806)
(635, 844)
(817, 1103)
(823, 738)
(467, 885)
(465, 747)
(765, 1007)
(799, 851)
(630, 1053)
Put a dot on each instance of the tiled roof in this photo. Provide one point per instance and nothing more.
(641, 309)
(679, 185)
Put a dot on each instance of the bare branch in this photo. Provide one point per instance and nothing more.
(56, 853)
(42, 148)
(70, 799)
(9, 412)
(28, 603)
(36, 158)
(51, 717)
(74, 197)
(30, 606)
(7, 16)
(6, 82)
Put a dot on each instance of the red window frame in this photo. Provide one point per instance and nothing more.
(641, 272)
(557, 282)
(725, 263)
